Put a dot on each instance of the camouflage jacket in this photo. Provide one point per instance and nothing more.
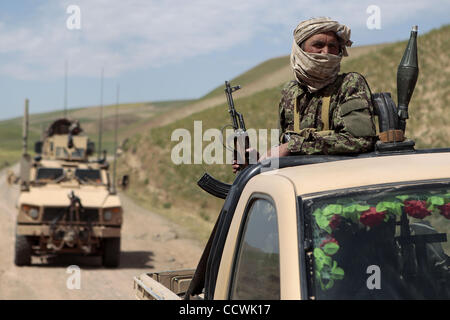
(351, 121)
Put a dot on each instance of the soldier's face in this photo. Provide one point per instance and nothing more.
(322, 43)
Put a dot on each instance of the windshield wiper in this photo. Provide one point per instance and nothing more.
(81, 179)
(60, 178)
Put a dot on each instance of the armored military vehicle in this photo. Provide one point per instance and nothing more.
(367, 226)
(67, 204)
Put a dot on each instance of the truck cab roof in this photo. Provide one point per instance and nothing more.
(311, 176)
(372, 170)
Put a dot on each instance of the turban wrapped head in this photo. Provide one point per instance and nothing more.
(317, 70)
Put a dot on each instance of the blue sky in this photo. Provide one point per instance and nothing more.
(167, 49)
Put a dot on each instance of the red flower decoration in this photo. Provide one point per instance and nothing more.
(328, 240)
(445, 210)
(335, 221)
(371, 217)
(417, 209)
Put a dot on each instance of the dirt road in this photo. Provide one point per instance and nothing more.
(149, 243)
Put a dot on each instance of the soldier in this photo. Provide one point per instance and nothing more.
(347, 126)
(322, 111)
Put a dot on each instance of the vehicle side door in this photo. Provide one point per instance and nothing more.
(260, 256)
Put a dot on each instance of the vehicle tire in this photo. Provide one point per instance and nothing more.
(22, 254)
(111, 252)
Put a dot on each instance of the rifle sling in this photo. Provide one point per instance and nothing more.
(296, 116)
(325, 114)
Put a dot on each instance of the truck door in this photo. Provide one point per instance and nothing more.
(256, 272)
(260, 257)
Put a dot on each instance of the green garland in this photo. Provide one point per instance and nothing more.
(327, 269)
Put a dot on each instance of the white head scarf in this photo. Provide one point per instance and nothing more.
(317, 70)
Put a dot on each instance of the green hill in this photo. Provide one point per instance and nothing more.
(160, 184)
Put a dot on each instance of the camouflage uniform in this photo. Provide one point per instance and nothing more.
(352, 127)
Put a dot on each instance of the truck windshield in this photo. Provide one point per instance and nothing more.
(388, 243)
(49, 174)
(89, 175)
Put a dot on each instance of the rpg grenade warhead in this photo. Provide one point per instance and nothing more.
(407, 73)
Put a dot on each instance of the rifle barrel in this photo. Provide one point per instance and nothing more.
(236, 118)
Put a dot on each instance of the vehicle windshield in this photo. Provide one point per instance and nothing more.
(78, 153)
(49, 174)
(88, 175)
(61, 152)
(75, 154)
(388, 243)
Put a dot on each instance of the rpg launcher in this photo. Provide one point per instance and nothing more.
(240, 143)
(392, 119)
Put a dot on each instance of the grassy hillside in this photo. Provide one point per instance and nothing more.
(262, 70)
(172, 189)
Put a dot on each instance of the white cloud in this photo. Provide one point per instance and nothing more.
(135, 34)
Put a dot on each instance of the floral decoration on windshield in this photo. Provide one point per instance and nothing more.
(372, 217)
(445, 210)
(365, 216)
(417, 209)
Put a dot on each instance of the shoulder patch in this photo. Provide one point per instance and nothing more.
(352, 105)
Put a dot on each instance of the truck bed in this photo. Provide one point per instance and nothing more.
(166, 285)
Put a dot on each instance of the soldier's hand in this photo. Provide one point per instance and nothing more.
(253, 157)
(276, 152)
(235, 166)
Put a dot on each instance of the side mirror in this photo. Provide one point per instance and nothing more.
(11, 178)
(38, 147)
(125, 181)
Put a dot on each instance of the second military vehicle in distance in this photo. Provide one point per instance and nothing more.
(67, 204)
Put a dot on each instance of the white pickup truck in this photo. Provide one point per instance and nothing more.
(370, 226)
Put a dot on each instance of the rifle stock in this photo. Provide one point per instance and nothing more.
(213, 186)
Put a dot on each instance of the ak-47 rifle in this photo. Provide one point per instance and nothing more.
(240, 153)
(240, 137)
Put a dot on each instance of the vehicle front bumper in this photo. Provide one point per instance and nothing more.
(44, 230)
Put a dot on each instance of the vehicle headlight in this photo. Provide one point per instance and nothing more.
(107, 216)
(108, 213)
(33, 212)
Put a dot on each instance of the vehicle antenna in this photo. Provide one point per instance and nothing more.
(116, 125)
(100, 121)
(66, 68)
(25, 128)
(25, 161)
